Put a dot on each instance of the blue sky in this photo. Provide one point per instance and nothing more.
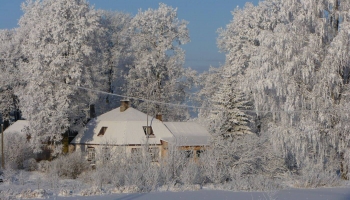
(204, 17)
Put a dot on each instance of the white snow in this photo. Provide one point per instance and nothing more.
(289, 194)
(121, 133)
(18, 127)
(130, 114)
(187, 134)
(37, 185)
(126, 127)
(122, 128)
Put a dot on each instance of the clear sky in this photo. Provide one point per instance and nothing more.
(204, 17)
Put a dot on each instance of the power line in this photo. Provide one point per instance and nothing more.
(128, 97)
(196, 107)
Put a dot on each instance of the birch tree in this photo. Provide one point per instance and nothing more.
(158, 72)
(10, 56)
(288, 54)
(117, 55)
(208, 83)
(62, 50)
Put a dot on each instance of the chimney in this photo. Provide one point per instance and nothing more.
(159, 117)
(92, 111)
(124, 105)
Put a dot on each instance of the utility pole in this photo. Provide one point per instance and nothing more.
(2, 148)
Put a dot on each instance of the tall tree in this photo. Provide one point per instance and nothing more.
(208, 84)
(62, 49)
(10, 56)
(117, 55)
(228, 117)
(289, 55)
(158, 72)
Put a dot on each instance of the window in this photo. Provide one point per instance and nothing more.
(91, 154)
(102, 131)
(136, 151)
(148, 131)
(199, 153)
(154, 153)
(188, 154)
(106, 153)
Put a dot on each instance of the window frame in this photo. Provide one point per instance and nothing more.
(188, 153)
(154, 153)
(102, 131)
(106, 153)
(136, 151)
(199, 153)
(148, 135)
(91, 157)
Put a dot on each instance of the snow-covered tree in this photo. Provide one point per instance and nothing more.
(228, 116)
(158, 72)
(117, 55)
(17, 150)
(62, 49)
(208, 83)
(10, 57)
(292, 57)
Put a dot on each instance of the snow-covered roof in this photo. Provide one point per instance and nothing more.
(123, 128)
(18, 127)
(126, 128)
(187, 134)
(130, 114)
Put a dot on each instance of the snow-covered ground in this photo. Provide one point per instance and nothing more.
(289, 194)
(37, 185)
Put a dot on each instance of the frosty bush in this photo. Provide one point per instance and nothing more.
(91, 191)
(17, 150)
(232, 163)
(30, 194)
(9, 175)
(192, 173)
(30, 164)
(70, 165)
(152, 176)
(44, 166)
(215, 171)
(102, 175)
(314, 175)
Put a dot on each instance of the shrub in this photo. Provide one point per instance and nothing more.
(30, 164)
(17, 150)
(69, 166)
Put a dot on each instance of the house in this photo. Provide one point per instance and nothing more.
(187, 136)
(129, 130)
(20, 127)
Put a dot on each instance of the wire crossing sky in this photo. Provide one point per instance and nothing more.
(204, 18)
(190, 106)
